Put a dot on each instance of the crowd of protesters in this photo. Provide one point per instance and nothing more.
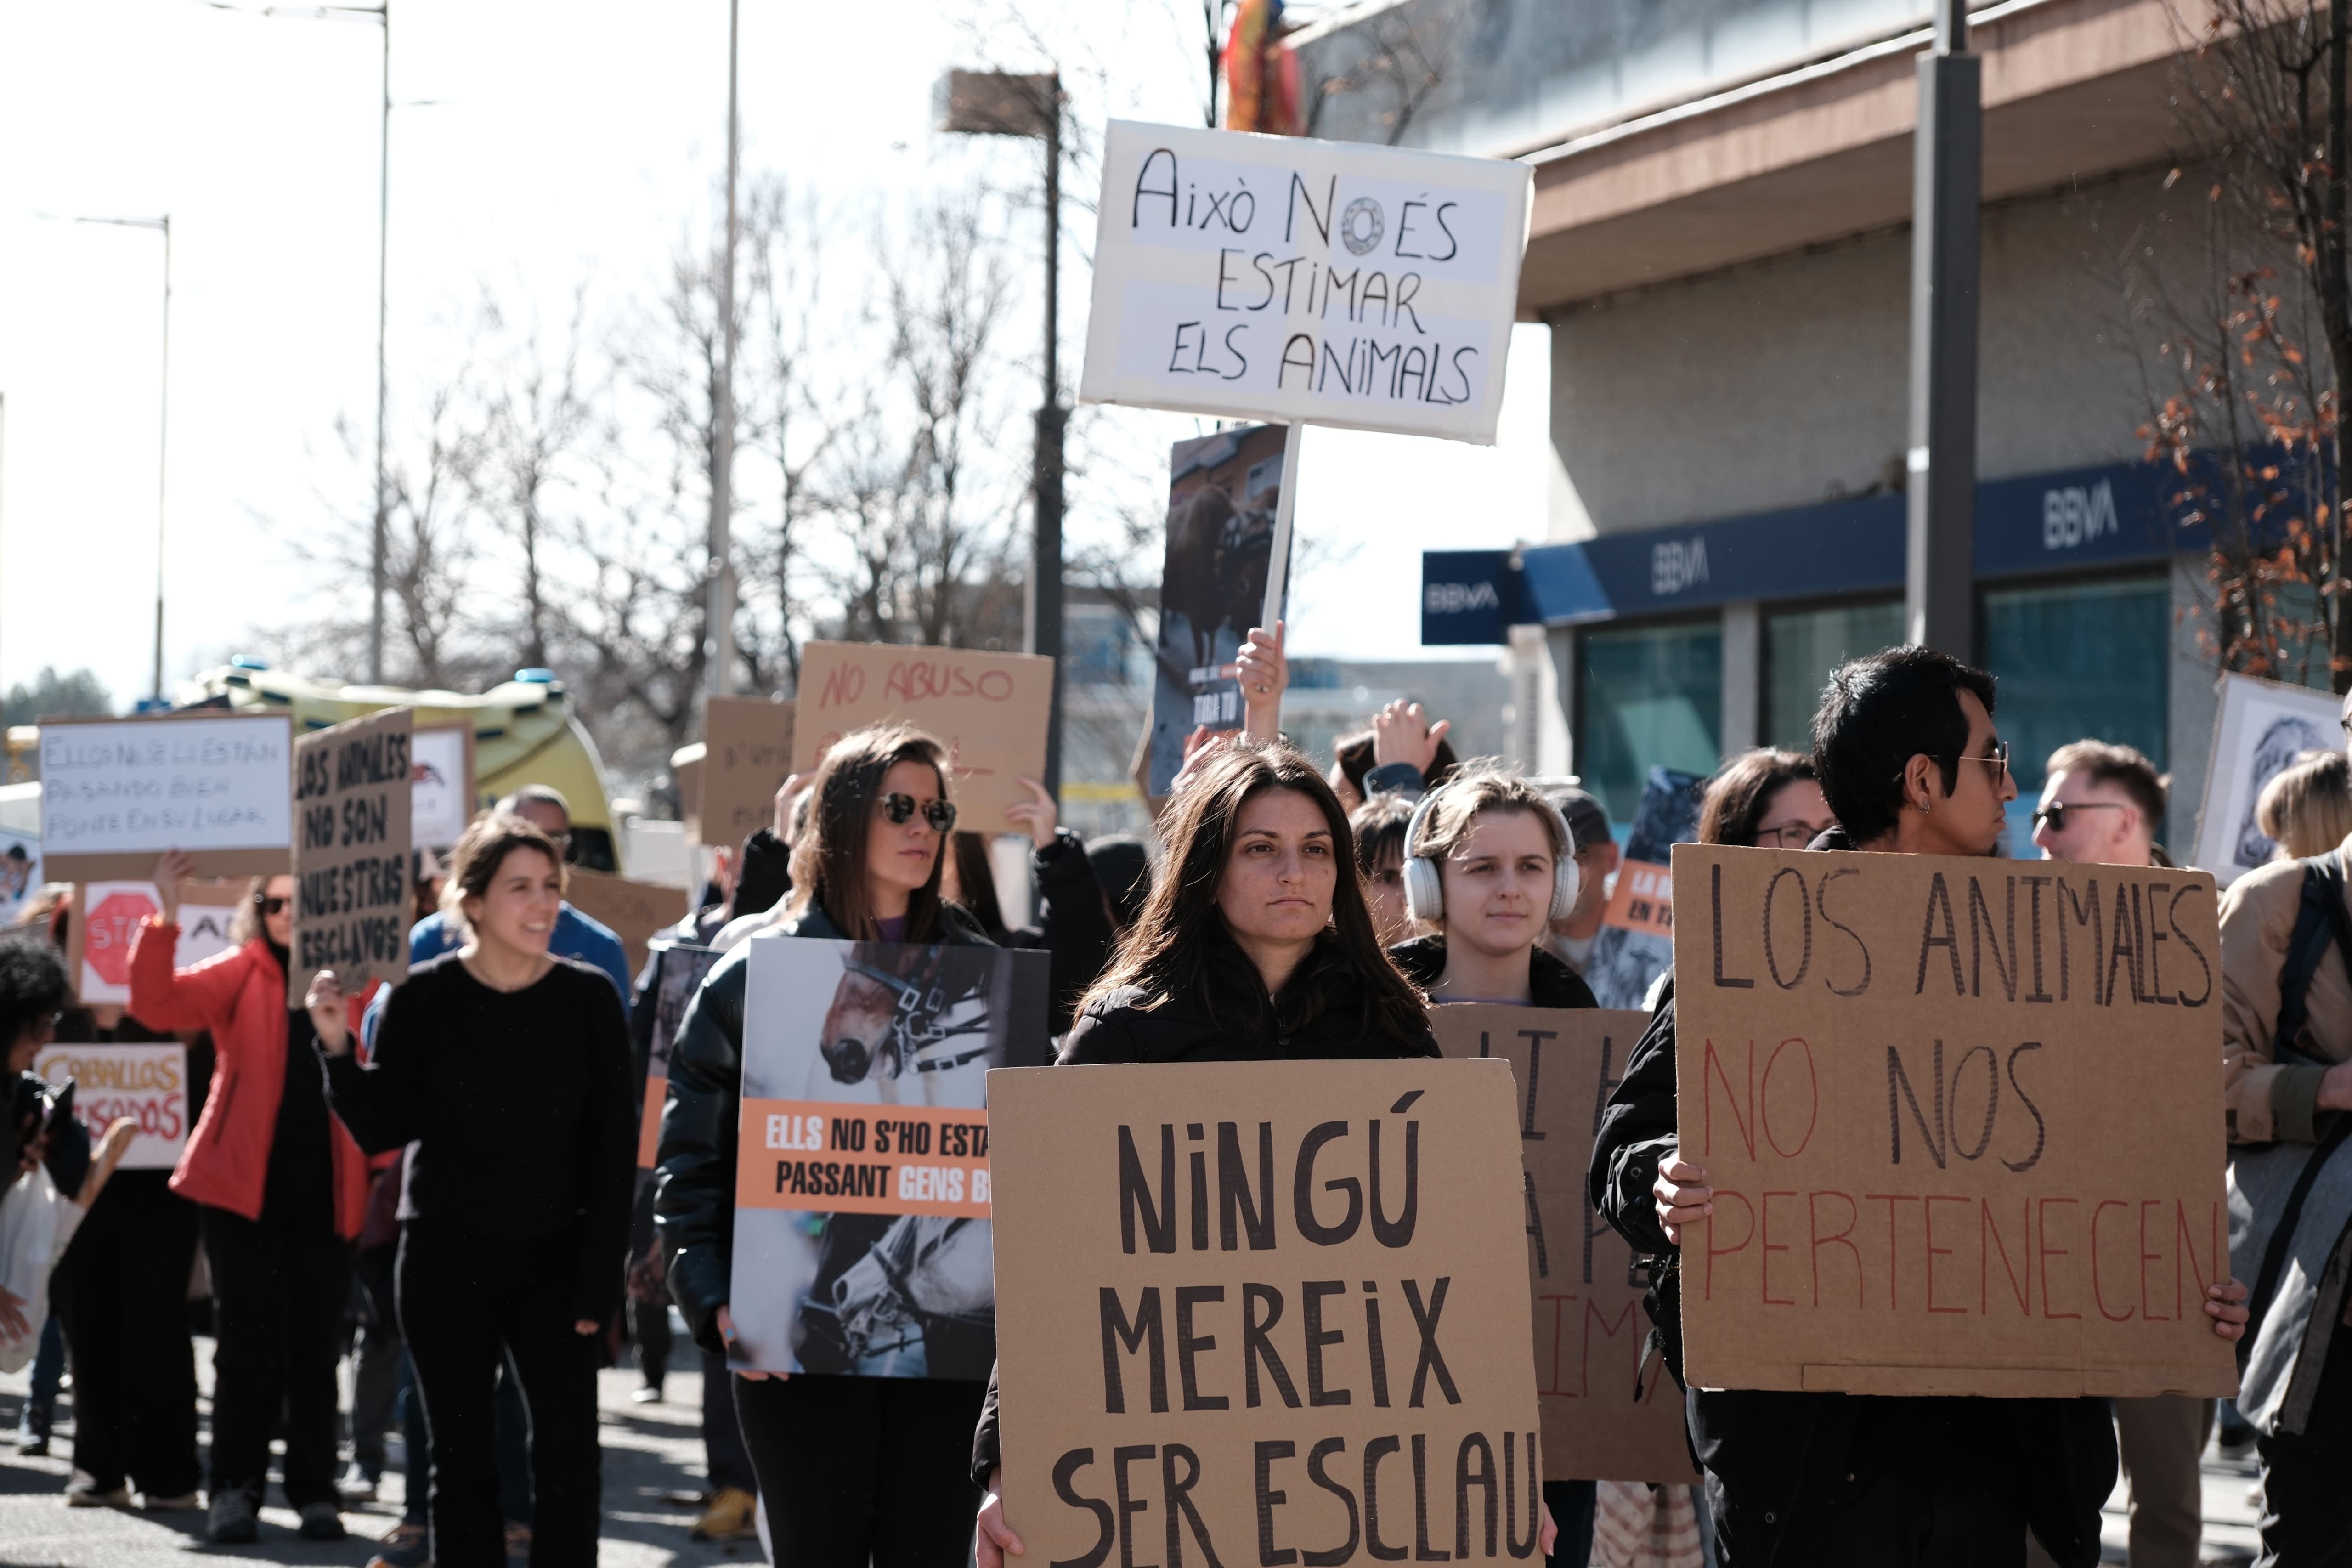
(464, 1142)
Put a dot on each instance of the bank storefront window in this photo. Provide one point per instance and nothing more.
(1800, 648)
(1646, 696)
(2077, 661)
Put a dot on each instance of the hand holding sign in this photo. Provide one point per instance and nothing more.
(324, 1002)
(1401, 732)
(1264, 675)
(172, 867)
(1682, 1193)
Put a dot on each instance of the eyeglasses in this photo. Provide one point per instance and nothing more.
(1790, 835)
(275, 906)
(1998, 762)
(939, 814)
(2054, 814)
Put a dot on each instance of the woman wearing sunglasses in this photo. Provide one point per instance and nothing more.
(284, 1192)
(851, 1469)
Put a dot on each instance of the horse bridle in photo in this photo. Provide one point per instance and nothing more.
(914, 1024)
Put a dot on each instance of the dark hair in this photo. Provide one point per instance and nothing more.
(1355, 756)
(1122, 868)
(1182, 948)
(1379, 826)
(976, 881)
(829, 850)
(1879, 713)
(2128, 769)
(481, 850)
(33, 985)
(1740, 793)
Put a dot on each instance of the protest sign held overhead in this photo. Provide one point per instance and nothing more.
(1223, 494)
(97, 938)
(148, 1083)
(747, 756)
(635, 910)
(1963, 1122)
(1265, 1312)
(989, 709)
(441, 759)
(862, 1241)
(117, 792)
(1602, 1418)
(1279, 278)
(353, 899)
(2261, 728)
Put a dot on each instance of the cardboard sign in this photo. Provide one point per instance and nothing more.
(107, 914)
(2260, 727)
(441, 803)
(862, 1176)
(1264, 1307)
(635, 911)
(1963, 1120)
(148, 1083)
(117, 792)
(675, 984)
(989, 709)
(1589, 1323)
(1636, 943)
(748, 755)
(1223, 494)
(353, 894)
(1280, 278)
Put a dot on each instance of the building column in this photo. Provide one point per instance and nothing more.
(1743, 678)
(1557, 753)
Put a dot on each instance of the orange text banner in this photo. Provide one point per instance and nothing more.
(823, 1155)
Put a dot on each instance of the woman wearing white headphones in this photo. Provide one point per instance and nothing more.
(1489, 863)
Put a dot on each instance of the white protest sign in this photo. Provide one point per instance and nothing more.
(442, 800)
(107, 915)
(1285, 280)
(117, 792)
(147, 1083)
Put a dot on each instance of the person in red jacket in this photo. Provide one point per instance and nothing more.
(284, 1192)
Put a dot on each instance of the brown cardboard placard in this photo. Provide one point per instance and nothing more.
(635, 910)
(1963, 1118)
(1276, 1305)
(748, 754)
(1589, 1323)
(354, 896)
(685, 773)
(989, 709)
(117, 792)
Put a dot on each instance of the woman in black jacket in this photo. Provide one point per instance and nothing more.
(508, 1068)
(851, 1468)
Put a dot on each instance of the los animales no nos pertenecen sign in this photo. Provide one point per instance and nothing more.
(352, 897)
(1963, 1121)
(1265, 1312)
(1285, 279)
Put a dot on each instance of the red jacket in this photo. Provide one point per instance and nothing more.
(240, 996)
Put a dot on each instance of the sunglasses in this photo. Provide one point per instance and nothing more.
(939, 814)
(2054, 814)
(273, 906)
(1998, 762)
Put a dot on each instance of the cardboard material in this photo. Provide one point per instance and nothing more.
(148, 1083)
(1256, 1309)
(862, 1192)
(989, 709)
(98, 936)
(2259, 729)
(117, 792)
(353, 881)
(1963, 1118)
(1589, 1323)
(442, 803)
(1282, 278)
(748, 755)
(682, 969)
(635, 910)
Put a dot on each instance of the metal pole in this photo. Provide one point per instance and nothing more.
(1043, 600)
(1939, 597)
(1285, 506)
(380, 540)
(4, 484)
(720, 673)
(162, 452)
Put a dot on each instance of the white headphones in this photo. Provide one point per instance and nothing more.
(1424, 889)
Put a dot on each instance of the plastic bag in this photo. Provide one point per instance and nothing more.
(37, 1223)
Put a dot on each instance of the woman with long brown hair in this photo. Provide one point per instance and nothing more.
(852, 1470)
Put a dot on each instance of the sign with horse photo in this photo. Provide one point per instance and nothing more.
(862, 1237)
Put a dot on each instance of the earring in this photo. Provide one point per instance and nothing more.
(1923, 808)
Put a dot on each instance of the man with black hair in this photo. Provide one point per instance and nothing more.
(1911, 764)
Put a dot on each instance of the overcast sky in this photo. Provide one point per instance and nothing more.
(567, 143)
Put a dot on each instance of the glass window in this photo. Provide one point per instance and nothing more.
(1646, 696)
(2077, 661)
(1800, 648)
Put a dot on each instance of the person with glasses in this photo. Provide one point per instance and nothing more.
(852, 1470)
(1909, 763)
(2101, 804)
(284, 1193)
(1765, 799)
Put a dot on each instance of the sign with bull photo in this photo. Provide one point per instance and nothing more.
(1223, 494)
(862, 1200)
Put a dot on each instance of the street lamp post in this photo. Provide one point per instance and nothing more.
(718, 674)
(1001, 103)
(161, 226)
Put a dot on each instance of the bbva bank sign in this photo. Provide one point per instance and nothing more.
(2075, 515)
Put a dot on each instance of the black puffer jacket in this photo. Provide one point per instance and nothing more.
(1550, 982)
(1073, 927)
(694, 1202)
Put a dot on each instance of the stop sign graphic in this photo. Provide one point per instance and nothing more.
(106, 942)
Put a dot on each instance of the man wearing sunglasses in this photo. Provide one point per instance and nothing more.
(2101, 807)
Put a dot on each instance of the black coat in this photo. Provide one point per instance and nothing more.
(1550, 982)
(1073, 929)
(1776, 1454)
(694, 1200)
